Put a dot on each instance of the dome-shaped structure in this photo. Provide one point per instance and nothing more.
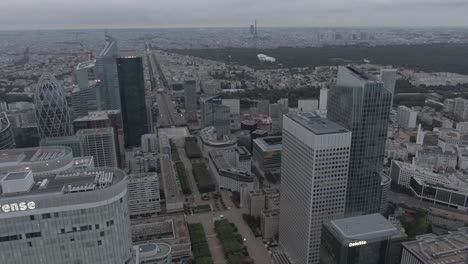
(52, 113)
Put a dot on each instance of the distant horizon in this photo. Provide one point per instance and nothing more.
(247, 27)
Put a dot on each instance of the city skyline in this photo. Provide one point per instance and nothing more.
(53, 14)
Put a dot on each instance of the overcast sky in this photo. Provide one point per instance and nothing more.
(46, 14)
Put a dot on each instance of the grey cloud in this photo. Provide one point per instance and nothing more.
(33, 14)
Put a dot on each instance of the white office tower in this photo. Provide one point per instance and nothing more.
(314, 174)
(406, 117)
(323, 102)
(52, 113)
(106, 71)
(99, 143)
(420, 136)
(74, 216)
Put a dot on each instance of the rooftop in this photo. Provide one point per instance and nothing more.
(317, 125)
(97, 115)
(86, 65)
(360, 74)
(269, 143)
(447, 249)
(70, 181)
(363, 228)
(153, 250)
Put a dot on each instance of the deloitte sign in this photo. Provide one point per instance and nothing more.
(15, 207)
(357, 243)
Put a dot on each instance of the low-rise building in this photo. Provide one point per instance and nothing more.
(143, 194)
(267, 155)
(263, 199)
(229, 176)
(433, 249)
(210, 141)
(355, 240)
(269, 223)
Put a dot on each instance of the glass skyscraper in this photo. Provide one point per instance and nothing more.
(106, 71)
(132, 95)
(52, 112)
(361, 104)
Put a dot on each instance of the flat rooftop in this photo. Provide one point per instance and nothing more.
(270, 143)
(365, 227)
(68, 181)
(360, 73)
(97, 115)
(447, 249)
(43, 153)
(317, 125)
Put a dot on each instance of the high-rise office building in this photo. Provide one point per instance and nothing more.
(106, 71)
(7, 139)
(86, 96)
(323, 102)
(190, 96)
(103, 119)
(215, 114)
(52, 113)
(100, 144)
(314, 173)
(74, 216)
(132, 95)
(361, 104)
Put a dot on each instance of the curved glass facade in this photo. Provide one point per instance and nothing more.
(52, 113)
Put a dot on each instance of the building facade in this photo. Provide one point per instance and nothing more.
(143, 194)
(357, 240)
(68, 217)
(100, 144)
(313, 187)
(132, 97)
(190, 100)
(406, 117)
(52, 112)
(215, 114)
(361, 104)
(106, 71)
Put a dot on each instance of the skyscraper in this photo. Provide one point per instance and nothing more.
(52, 113)
(314, 173)
(361, 104)
(215, 114)
(86, 96)
(106, 71)
(7, 140)
(100, 144)
(190, 96)
(132, 95)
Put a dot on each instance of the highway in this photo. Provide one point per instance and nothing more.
(168, 116)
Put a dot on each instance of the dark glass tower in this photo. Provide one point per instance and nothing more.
(132, 99)
(361, 104)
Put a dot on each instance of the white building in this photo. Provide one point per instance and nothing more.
(406, 117)
(313, 189)
(323, 102)
(435, 158)
(307, 105)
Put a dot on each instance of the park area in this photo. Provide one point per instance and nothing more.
(234, 250)
(200, 250)
(202, 177)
